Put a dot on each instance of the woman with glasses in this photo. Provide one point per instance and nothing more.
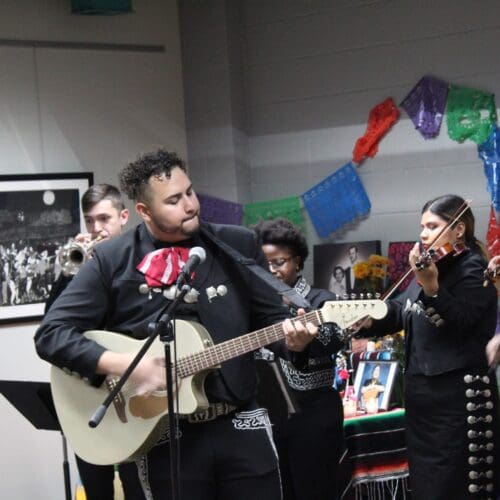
(308, 417)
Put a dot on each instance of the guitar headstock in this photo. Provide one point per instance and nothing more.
(347, 312)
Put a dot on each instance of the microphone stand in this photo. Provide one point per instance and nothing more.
(162, 328)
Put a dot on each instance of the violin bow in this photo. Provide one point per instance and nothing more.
(454, 218)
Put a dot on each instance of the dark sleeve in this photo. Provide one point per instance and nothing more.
(463, 302)
(264, 305)
(393, 321)
(58, 287)
(329, 338)
(81, 307)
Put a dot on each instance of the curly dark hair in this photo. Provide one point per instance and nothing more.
(135, 176)
(282, 232)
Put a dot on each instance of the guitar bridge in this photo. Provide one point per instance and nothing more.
(118, 401)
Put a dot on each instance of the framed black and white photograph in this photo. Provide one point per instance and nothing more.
(39, 214)
(334, 263)
(374, 380)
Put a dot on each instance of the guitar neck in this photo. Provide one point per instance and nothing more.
(217, 354)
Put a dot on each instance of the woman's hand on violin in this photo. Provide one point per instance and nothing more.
(492, 272)
(426, 274)
(494, 266)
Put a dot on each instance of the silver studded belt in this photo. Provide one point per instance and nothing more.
(211, 413)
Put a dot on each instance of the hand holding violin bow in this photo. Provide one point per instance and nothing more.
(492, 271)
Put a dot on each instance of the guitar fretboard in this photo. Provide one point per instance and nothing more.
(214, 355)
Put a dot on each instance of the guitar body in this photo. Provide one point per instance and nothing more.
(132, 424)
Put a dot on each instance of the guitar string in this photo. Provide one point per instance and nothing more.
(218, 353)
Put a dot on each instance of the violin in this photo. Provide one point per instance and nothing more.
(427, 256)
(436, 254)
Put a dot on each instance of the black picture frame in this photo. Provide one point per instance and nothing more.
(39, 213)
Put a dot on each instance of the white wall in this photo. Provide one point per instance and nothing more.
(311, 71)
(314, 69)
(68, 108)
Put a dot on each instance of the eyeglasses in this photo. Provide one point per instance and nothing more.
(277, 263)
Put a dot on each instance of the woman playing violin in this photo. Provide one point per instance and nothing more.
(451, 398)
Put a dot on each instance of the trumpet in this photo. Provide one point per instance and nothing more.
(74, 254)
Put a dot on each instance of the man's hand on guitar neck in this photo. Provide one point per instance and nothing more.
(147, 377)
(297, 334)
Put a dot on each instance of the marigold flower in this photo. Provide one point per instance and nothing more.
(361, 270)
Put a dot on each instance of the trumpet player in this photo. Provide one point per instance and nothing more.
(105, 216)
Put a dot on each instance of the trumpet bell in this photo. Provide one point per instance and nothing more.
(72, 256)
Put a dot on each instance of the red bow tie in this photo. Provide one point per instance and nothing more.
(162, 267)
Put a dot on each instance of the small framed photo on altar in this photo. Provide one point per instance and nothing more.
(373, 384)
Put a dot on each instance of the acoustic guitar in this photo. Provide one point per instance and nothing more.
(133, 424)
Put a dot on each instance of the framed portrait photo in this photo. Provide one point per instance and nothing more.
(374, 380)
(334, 265)
(39, 214)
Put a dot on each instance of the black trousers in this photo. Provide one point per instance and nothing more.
(452, 435)
(310, 444)
(97, 480)
(231, 457)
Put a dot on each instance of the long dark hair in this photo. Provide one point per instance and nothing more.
(447, 207)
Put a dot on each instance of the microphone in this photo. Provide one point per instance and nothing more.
(197, 255)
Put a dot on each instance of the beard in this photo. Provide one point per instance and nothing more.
(185, 229)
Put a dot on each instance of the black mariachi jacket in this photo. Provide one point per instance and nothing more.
(105, 295)
(448, 332)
